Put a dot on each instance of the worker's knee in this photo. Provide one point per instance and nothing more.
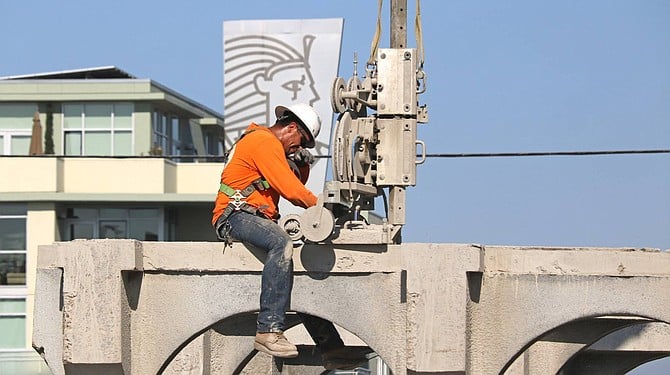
(288, 251)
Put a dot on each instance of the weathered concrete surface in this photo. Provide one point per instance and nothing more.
(436, 304)
(49, 332)
(512, 307)
(123, 306)
(556, 348)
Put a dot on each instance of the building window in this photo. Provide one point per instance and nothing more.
(98, 129)
(12, 323)
(144, 224)
(16, 121)
(13, 276)
(12, 245)
(213, 144)
(166, 139)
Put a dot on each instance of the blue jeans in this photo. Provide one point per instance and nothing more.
(277, 277)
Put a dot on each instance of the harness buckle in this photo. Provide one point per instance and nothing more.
(238, 200)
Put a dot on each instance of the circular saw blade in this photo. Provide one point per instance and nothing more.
(317, 223)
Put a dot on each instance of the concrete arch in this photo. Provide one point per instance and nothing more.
(238, 326)
(551, 351)
(123, 306)
(664, 356)
(369, 305)
(227, 347)
(211, 298)
(622, 350)
(549, 301)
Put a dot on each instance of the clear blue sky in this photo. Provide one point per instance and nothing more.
(512, 76)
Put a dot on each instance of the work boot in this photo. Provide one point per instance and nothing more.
(275, 344)
(345, 358)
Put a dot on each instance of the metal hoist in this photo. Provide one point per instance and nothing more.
(372, 152)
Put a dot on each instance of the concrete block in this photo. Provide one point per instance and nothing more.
(48, 327)
(371, 306)
(94, 299)
(436, 296)
(211, 256)
(577, 261)
(192, 359)
(122, 306)
(513, 311)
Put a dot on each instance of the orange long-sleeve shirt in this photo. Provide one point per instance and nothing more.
(259, 154)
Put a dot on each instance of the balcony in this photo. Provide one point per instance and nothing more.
(147, 179)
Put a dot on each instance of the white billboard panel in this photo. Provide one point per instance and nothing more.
(280, 62)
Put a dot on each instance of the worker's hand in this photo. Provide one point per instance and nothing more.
(303, 157)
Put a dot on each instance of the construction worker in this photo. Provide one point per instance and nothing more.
(246, 209)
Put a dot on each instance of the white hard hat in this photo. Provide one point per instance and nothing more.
(309, 119)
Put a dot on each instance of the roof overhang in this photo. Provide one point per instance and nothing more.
(99, 84)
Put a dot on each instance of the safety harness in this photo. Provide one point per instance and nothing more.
(237, 201)
(238, 198)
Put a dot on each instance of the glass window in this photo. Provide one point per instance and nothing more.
(98, 116)
(144, 230)
(12, 323)
(144, 224)
(20, 145)
(143, 213)
(82, 213)
(12, 268)
(14, 142)
(17, 116)
(123, 143)
(123, 116)
(72, 144)
(12, 306)
(72, 116)
(113, 213)
(138, 223)
(81, 230)
(167, 134)
(113, 229)
(12, 245)
(19, 209)
(12, 233)
(213, 144)
(12, 273)
(175, 137)
(98, 143)
(98, 129)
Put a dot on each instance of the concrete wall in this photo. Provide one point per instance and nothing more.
(41, 220)
(29, 174)
(132, 307)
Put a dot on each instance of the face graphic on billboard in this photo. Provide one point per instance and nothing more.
(262, 72)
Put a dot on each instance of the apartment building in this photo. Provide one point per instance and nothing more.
(94, 153)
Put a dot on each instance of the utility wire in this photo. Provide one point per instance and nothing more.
(439, 155)
(550, 153)
(541, 153)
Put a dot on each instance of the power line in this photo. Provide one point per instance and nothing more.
(547, 153)
(437, 155)
(541, 153)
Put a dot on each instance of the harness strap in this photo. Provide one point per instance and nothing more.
(238, 198)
